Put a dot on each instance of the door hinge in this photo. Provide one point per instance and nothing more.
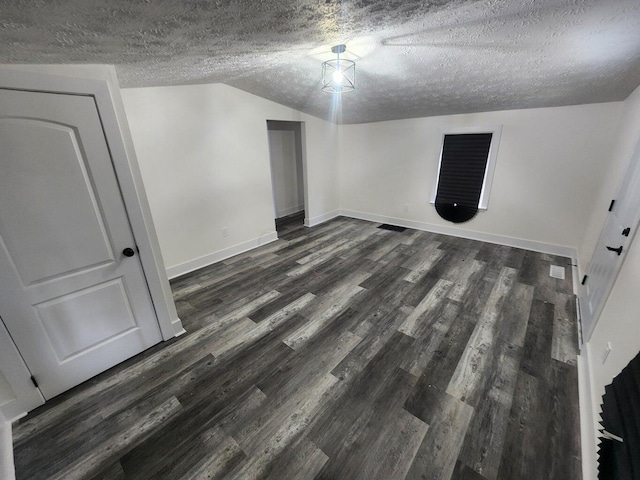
(584, 279)
(611, 205)
(33, 380)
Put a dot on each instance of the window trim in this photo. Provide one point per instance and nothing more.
(496, 131)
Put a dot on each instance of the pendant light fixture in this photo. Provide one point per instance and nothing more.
(338, 75)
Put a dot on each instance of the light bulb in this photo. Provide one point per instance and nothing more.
(338, 77)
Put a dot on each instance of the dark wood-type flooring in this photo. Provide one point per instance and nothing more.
(290, 223)
(338, 352)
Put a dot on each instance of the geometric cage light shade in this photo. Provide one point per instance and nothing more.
(339, 74)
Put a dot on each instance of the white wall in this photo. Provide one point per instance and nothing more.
(204, 155)
(619, 322)
(626, 136)
(7, 468)
(320, 163)
(6, 393)
(550, 161)
(286, 172)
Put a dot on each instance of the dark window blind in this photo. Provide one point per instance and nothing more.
(464, 161)
(621, 417)
(462, 169)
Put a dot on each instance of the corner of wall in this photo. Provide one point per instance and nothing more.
(7, 467)
(312, 222)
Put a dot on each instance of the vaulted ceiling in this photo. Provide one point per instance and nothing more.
(413, 58)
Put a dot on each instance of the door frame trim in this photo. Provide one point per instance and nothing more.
(297, 127)
(100, 82)
(18, 376)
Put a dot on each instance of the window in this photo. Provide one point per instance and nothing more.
(465, 172)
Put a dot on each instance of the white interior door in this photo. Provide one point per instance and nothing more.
(73, 302)
(612, 246)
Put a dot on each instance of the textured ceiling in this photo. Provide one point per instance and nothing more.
(413, 58)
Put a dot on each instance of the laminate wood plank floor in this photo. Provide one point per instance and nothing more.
(342, 351)
(286, 225)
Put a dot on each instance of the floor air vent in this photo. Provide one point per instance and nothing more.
(393, 228)
(557, 272)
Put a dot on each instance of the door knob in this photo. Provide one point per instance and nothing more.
(618, 250)
(128, 252)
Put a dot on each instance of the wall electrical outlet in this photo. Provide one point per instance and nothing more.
(225, 232)
(606, 352)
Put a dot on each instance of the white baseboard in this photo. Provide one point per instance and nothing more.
(533, 245)
(289, 211)
(195, 264)
(587, 419)
(7, 468)
(312, 222)
(177, 327)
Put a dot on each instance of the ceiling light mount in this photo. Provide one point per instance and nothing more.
(339, 74)
(339, 49)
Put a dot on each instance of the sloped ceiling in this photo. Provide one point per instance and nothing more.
(413, 58)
